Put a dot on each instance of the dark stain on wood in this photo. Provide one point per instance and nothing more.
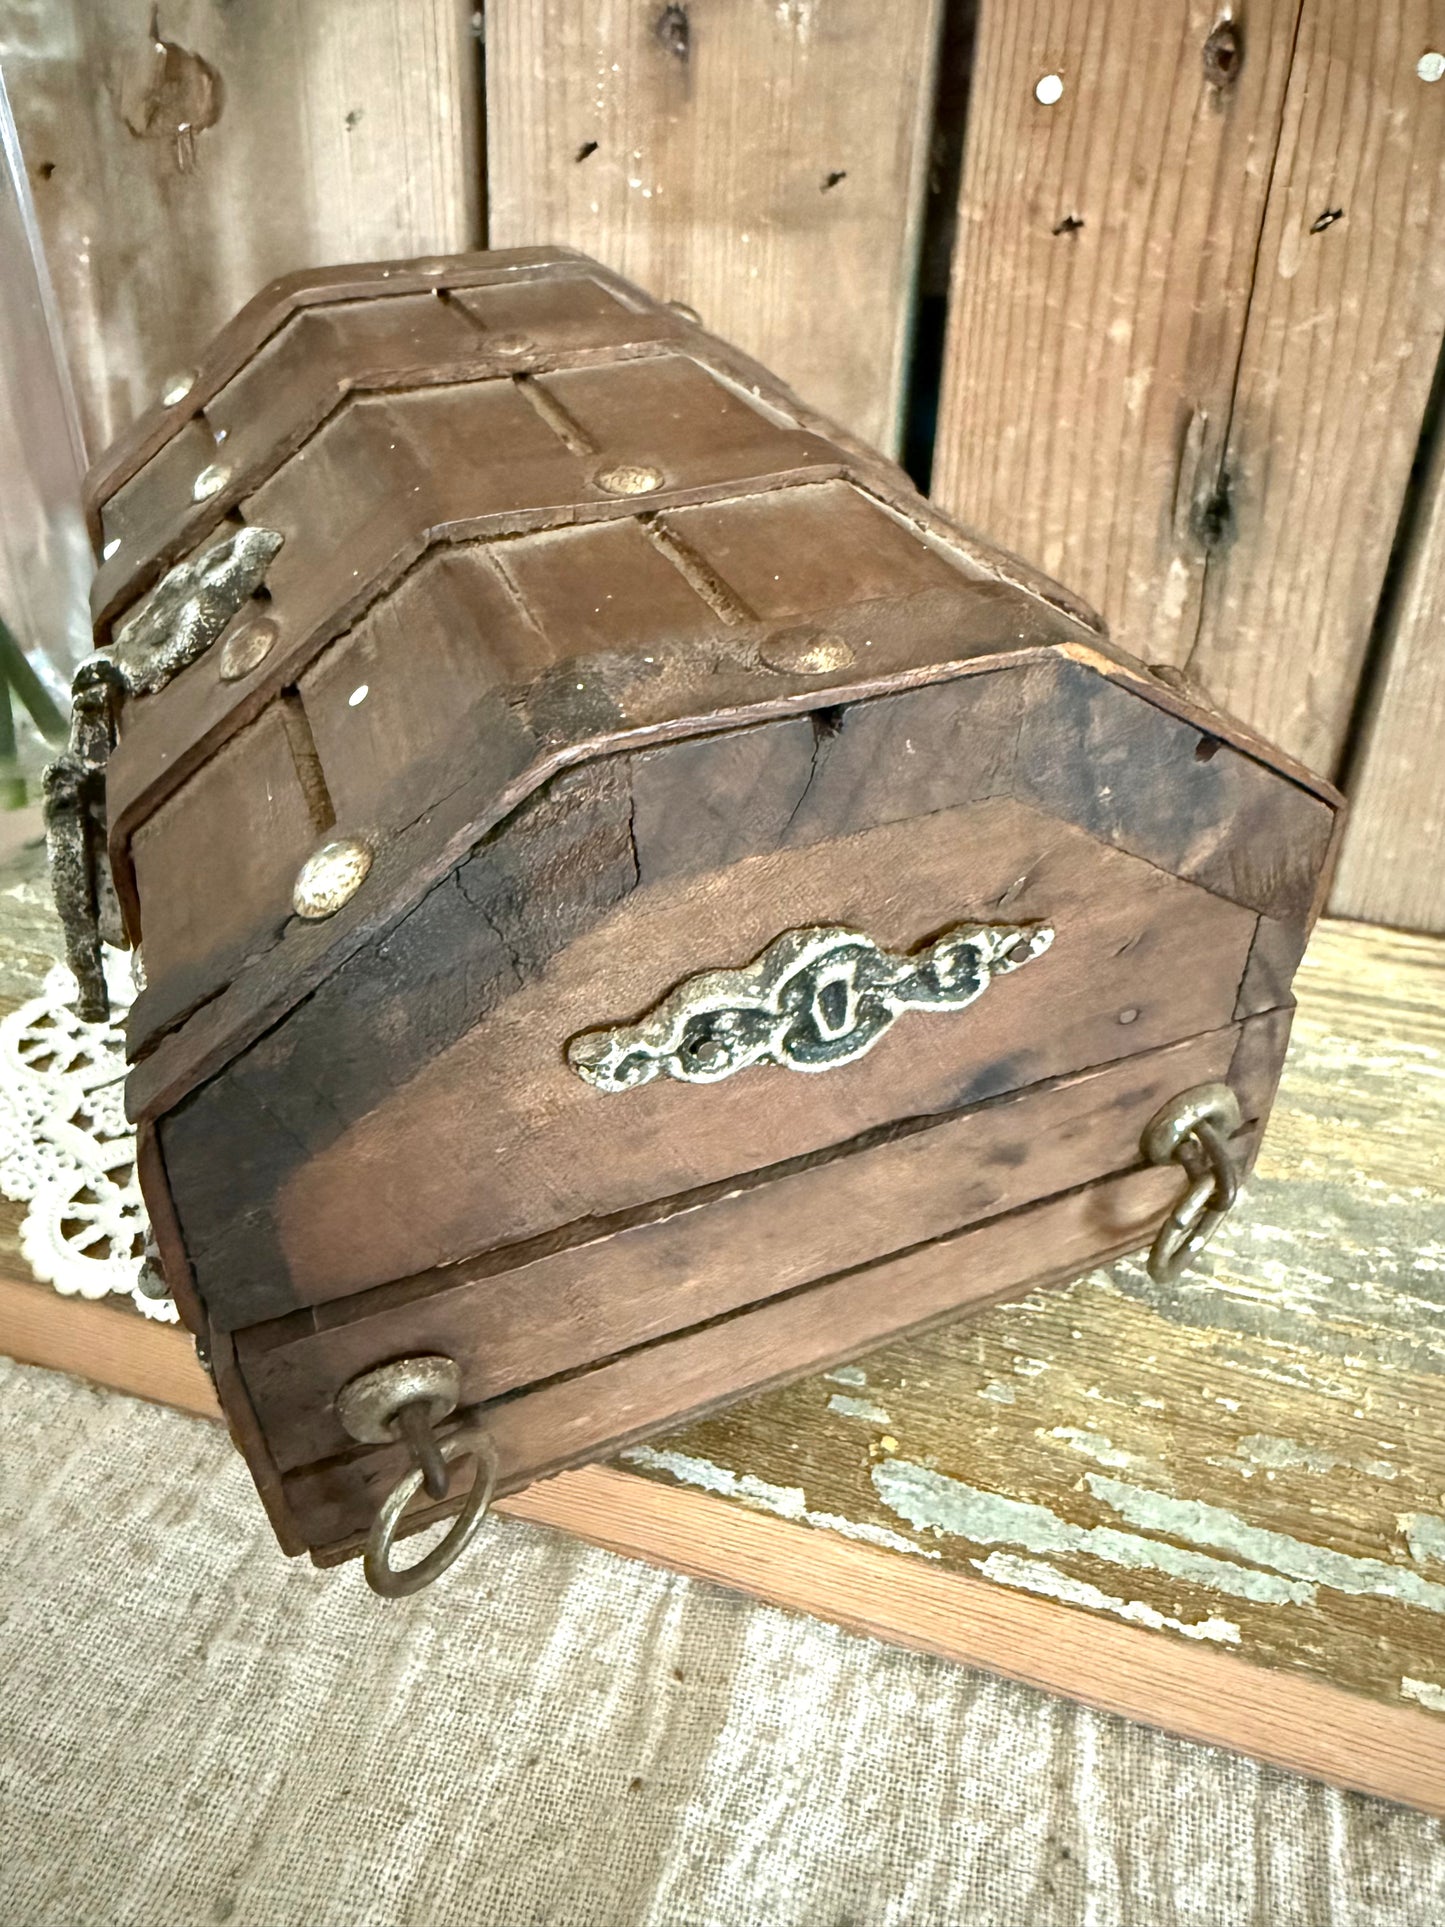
(175, 96)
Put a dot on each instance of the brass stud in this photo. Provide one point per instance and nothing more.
(210, 482)
(685, 311)
(806, 652)
(630, 478)
(330, 877)
(177, 387)
(368, 1406)
(247, 648)
(509, 345)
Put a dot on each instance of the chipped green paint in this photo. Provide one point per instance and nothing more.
(788, 1502)
(1033, 1575)
(1212, 1525)
(858, 1408)
(1424, 1535)
(1093, 1445)
(1278, 1455)
(931, 1501)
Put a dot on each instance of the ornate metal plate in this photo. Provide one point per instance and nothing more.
(190, 606)
(814, 999)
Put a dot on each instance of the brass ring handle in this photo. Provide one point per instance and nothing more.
(403, 1403)
(1193, 1131)
(395, 1582)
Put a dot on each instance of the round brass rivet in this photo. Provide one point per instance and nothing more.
(432, 268)
(367, 1406)
(247, 648)
(685, 310)
(509, 344)
(210, 482)
(331, 877)
(806, 652)
(630, 478)
(177, 387)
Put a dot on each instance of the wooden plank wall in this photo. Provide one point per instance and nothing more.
(764, 164)
(183, 154)
(1197, 297)
(1198, 303)
(1392, 868)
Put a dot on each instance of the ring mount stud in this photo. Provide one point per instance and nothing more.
(1193, 1131)
(404, 1402)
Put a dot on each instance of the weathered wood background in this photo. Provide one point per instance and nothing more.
(1156, 293)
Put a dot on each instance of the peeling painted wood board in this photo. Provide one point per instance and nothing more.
(1209, 1695)
(1192, 337)
(764, 164)
(174, 176)
(1392, 865)
(1326, 1732)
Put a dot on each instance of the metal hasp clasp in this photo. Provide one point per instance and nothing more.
(1193, 1130)
(403, 1403)
(182, 616)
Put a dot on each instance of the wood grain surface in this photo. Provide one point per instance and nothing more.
(1196, 312)
(182, 156)
(509, 1322)
(1308, 1725)
(764, 164)
(1340, 348)
(446, 1029)
(591, 1413)
(1392, 865)
(1101, 277)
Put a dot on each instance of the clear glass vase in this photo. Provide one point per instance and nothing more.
(45, 559)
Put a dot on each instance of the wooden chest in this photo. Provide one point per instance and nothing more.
(633, 902)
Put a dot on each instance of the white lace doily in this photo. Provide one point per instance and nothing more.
(65, 1147)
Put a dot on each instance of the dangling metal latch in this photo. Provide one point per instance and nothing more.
(405, 1401)
(180, 619)
(1193, 1130)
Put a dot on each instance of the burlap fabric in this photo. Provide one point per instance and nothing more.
(195, 1730)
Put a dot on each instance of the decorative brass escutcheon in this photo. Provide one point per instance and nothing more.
(404, 1402)
(1193, 1131)
(814, 999)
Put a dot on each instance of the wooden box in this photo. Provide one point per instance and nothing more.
(753, 917)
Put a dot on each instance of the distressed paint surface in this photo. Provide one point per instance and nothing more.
(1253, 1456)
